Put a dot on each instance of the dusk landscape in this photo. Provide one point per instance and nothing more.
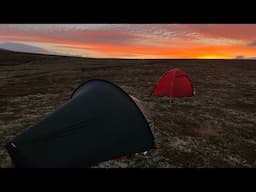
(41, 64)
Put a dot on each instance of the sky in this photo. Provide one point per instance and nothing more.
(197, 41)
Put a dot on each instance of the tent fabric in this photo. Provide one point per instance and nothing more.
(174, 83)
(146, 112)
(100, 122)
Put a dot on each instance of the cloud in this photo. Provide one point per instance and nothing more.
(163, 40)
(243, 57)
(240, 57)
(74, 33)
(252, 44)
(245, 32)
(22, 48)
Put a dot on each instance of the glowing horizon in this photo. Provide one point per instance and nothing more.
(169, 41)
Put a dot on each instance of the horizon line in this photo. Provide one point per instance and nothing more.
(123, 58)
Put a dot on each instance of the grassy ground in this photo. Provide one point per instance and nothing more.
(216, 128)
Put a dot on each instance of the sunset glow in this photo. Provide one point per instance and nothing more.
(199, 41)
(214, 57)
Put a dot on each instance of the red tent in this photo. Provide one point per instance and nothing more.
(174, 83)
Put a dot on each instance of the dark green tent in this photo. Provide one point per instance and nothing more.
(100, 122)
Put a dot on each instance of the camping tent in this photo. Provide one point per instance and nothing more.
(174, 83)
(100, 122)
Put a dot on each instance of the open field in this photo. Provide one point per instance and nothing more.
(216, 128)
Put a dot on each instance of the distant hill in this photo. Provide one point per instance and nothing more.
(13, 57)
(8, 57)
(20, 47)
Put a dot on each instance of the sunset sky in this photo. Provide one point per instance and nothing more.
(205, 41)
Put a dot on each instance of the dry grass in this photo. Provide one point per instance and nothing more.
(216, 128)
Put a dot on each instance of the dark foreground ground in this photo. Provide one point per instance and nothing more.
(216, 128)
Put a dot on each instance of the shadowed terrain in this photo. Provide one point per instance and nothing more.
(216, 128)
